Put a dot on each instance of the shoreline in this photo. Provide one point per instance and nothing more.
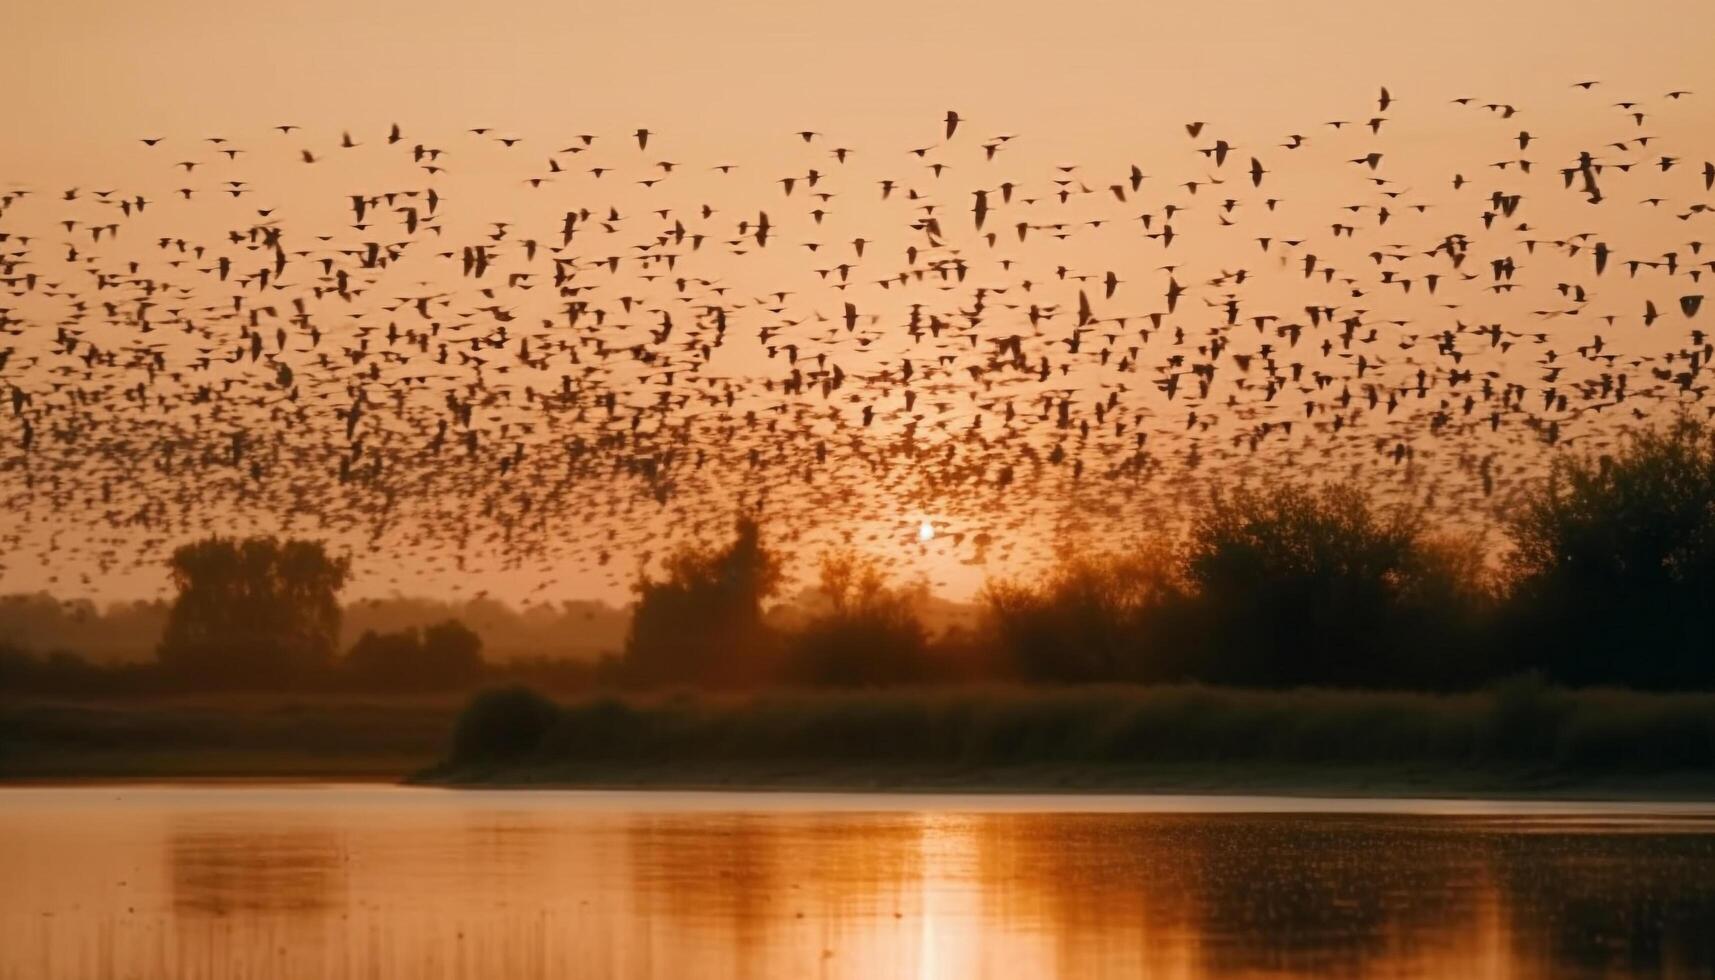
(1298, 782)
(1378, 782)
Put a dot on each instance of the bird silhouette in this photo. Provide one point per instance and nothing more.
(475, 351)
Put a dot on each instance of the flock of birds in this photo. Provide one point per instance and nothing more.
(479, 351)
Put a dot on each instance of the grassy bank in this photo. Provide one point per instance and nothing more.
(1517, 740)
(253, 736)
(1521, 738)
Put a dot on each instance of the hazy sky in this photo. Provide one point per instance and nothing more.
(1095, 84)
(78, 76)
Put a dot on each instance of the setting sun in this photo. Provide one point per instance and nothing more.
(926, 532)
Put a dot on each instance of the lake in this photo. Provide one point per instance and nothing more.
(334, 881)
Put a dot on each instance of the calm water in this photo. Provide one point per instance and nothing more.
(380, 882)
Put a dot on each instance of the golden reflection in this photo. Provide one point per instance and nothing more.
(222, 871)
(375, 883)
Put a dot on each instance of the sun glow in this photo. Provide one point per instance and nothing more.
(926, 532)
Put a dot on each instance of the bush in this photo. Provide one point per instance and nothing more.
(502, 726)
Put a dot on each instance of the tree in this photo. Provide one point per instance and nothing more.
(702, 624)
(253, 612)
(444, 657)
(1614, 564)
(1092, 618)
(1300, 586)
(869, 633)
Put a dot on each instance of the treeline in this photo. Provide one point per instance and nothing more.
(117, 632)
(130, 631)
(261, 614)
(1608, 579)
(441, 658)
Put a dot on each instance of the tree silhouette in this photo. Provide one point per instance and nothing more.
(1093, 617)
(1301, 586)
(703, 623)
(253, 612)
(869, 634)
(1615, 564)
(443, 657)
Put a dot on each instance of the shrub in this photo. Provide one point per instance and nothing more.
(502, 726)
(1094, 617)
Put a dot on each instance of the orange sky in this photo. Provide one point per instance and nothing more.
(79, 75)
(1099, 85)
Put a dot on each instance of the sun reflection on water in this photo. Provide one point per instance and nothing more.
(347, 883)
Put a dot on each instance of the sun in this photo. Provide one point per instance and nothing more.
(925, 532)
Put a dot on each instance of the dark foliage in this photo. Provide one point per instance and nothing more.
(1521, 726)
(1298, 587)
(869, 634)
(253, 613)
(1093, 617)
(443, 657)
(63, 674)
(1615, 565)
(503, 725)
(702, 624)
